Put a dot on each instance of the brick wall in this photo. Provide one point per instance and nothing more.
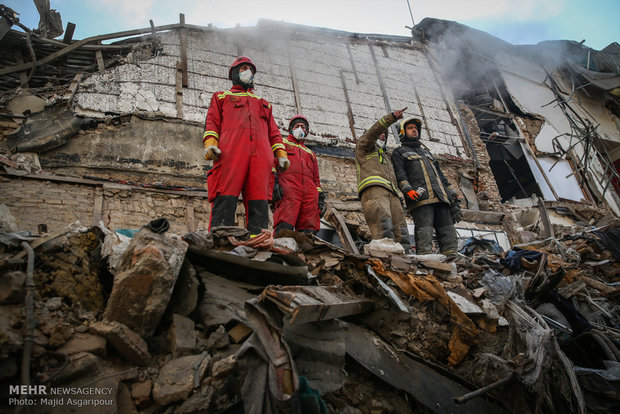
(57, 204)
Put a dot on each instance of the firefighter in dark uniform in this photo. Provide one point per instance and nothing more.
(430, 198)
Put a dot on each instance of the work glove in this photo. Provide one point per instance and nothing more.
(211, 151)
(283, 164)
(278, 192)
(322, 204)
(455, 213)
(414, 195)
(453, 197)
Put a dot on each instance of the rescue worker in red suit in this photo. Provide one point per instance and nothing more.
(297, 192)
(241, 137)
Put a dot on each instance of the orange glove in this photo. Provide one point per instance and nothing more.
(211, 151)
(413, 194)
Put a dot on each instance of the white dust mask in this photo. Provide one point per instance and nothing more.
(246, 77)
(299, 133)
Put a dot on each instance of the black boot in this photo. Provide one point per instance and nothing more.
(257, 216)
(223, 211)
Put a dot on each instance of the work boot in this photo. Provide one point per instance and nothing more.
(282, 226)
(257, 216)
(223, 211)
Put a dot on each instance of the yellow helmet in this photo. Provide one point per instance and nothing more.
(403, 125)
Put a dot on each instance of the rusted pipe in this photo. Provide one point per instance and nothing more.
(481, 391)
(30, 322)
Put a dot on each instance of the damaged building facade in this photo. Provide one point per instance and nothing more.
(134, 112)
(109, 135)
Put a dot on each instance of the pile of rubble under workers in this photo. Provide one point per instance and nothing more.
(222, 322)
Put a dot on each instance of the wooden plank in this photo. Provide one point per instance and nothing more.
(357, 80)
(69, 33)
(428, 130)
(440, 267)
(343, 231)
(73, 87)
(545, 218)
(183, 49)
(294, 81)
(38, 242)
(99, 58)
(384, 93)
(80, 43)
(239, 333)
(306, 304)
(179, 90)
(349, 109)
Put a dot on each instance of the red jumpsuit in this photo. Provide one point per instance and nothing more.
(248, 136)
(300, 185)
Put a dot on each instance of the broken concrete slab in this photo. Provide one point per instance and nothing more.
(143, 287)
(179, 377)
(12, 287)
(25, 102)
(141, 393)
(199, 402)
(224, 366)
(383, 248)
(126, 342)
(185, 294)
(182, 336)
(218, 339)
(7, 221)
(84, 342)
(484, 217)
(124, 401)
(467, 307)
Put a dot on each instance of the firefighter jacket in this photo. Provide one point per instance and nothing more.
(416, 168)
(371, 162)
(241, 124)
(300, 186)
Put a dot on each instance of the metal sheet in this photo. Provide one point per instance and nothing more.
(319, 352)
(427, 386)
(251, 271)
(560, 175)
(540, 179)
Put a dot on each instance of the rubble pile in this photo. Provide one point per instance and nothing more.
(218, 322)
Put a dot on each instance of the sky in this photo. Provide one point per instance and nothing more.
(515, 21)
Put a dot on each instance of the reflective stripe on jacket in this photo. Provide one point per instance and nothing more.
(238, 115)
(372, 164)
(415, 167)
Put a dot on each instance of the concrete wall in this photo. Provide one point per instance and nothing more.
(321, 66)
